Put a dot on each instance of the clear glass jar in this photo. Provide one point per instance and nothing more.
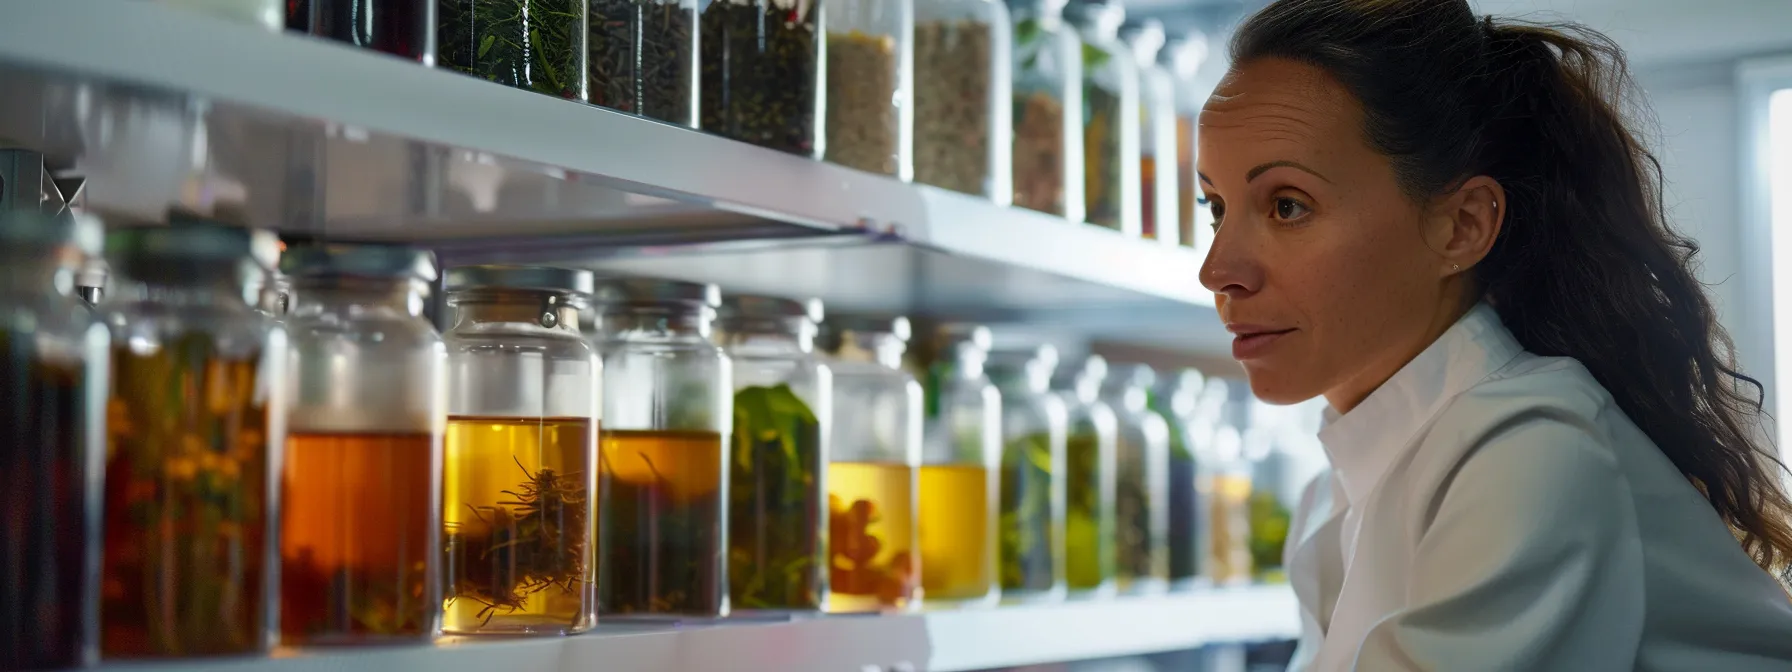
(1283, 448)
(402, 28)
(1158, 168)
(1047, 109)
(963, 128)
(1142, 492)
(196, 416)
(519, 504)
(1183, 57)
(1089, 478)
(52, 408)
(1034, 427)
(1110, 117)
(875, 453)
(1191, 479)
(777, 494)
(761, 73)
(537, 45)
(668, 411)
(1217, 420)
(360, 523)
(870, 65)
(644, 58)
(960, 475)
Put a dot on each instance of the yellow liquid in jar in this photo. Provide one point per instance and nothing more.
(1231, 529)
(519, 526)
(871, 533)
(957, 523)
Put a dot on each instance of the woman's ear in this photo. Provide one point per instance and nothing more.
(1465, 223)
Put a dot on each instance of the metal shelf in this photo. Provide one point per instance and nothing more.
(936, 641)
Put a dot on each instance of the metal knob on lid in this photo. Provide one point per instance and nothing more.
(373, 261)
(536, 278)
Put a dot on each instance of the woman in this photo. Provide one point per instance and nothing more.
(1542, 457)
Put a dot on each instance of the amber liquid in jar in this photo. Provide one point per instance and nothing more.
(517, 525)
(954, 528)
(871, 534)
(355, 537)
(1186, 193)
(1231, 529)
(185, 504)
(666, 541)
(42, 542)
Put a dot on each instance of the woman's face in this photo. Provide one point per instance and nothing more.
(1321, 265)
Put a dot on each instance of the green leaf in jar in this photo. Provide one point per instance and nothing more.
(485, 45)
(1026, 31)
(1094, 57)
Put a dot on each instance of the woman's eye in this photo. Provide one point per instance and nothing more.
(1217, 210)
(1288, 209)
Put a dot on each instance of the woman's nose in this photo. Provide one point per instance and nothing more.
(1232, 267)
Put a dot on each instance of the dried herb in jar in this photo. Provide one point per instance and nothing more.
(776, 526)
(760, 73)
(1026, 536)
(862, 124)
(522, 546)
(641, 53)
(1039, 152)
(952, 118)
(537, 45)
(664, 555)
(1101, 156)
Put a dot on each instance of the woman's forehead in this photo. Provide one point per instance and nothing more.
(1279, 106)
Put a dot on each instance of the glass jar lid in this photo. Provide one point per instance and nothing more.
(25, 230)
(749, 308)
(836, 330)
(528, 278)
(195, 241)
(1146, 38)
(368, 261)
(654, 291)
(1024, 360)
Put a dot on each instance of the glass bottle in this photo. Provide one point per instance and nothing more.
(875, 453)
(1218, 417)
(536, 45)
(777, 489)
(1142, 492)
(1034, 425)
(1048, 110)
(1183, 57)
(402, 28)
(196, 416)
(1110, 119)
(1158, 169)
(643, 58)
(963, 127)
(668, 407)
(1089, 478)
(1191, 479)
(52, 413)
(519, 477)
(761, 73)
(960, 475)
(870, 63)
(1283, 448)
(360, 525)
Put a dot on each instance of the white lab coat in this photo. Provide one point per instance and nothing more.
(1489, 509)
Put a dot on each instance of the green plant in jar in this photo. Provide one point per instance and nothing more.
(1088, 524)
(537, 45)
(1027, 538)
(776, 533)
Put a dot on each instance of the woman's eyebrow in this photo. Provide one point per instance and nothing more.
(1263, 168)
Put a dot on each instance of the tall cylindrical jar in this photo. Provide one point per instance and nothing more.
(360, 526)
(519, 480)
(1142, 492)
(402, 28)
(1183, 56)
(777, 486)
(1110, 117)
(537, 45)
(1089, 478)
(52, 419)
(196, 423)
(1158, 170)
(960, 482)
(1047, 110)
(870, 66)
(874, 557)
(964, 125)
(668, 411)
(1219, 416)
(643, 58)
(1034, 425)
(761, 73)
(1191, 479)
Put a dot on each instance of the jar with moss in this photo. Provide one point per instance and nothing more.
(1089, 478)
(1034, 427)
(870, 63)
(1047, 110)
(760, 73)
(536, 45)
(962, 88)
(1158, 170)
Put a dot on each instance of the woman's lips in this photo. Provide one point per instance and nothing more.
(1254, 342)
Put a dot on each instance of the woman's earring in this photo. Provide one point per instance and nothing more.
(1455, 268)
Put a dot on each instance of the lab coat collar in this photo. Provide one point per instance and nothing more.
(1365, 442)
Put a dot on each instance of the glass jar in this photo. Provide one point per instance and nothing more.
(1158, 169)
(761, 73)
(668, 410)
(644, 58)
(361, 486)
(1217, 420)
(52, 409)
(1110, 119)
(537, 45)
(1283, 448)
(777, 490)
(519, 505)
(869, 65)
(963, 125)
(1191, 479)
(960, 477)
(402, 28)
(197, 413)
(875, 452)
(1183, 57)
(1047, 109)
(1089, 478)
(1034, 425)
(1142, 492)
